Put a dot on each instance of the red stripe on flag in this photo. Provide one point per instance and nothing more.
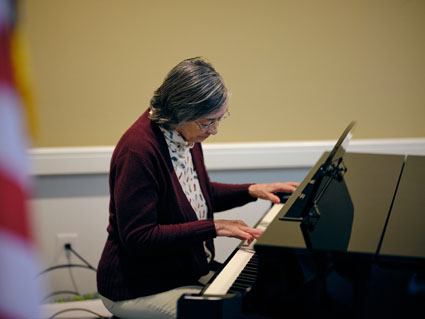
(13, 208)
(6, 66)
(9, 316)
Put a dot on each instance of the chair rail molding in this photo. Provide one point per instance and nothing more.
(220, 156)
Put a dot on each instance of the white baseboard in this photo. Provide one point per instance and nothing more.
(226, 156)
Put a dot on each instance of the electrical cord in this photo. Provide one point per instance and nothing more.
(64, 266)
(71, 274)
(69, 248)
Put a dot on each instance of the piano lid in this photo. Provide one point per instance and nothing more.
(370, 182)
(404, 235)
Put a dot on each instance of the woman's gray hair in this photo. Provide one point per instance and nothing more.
(191, 90)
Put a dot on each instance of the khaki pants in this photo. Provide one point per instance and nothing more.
(162, 305)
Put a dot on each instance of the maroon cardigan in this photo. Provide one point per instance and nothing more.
(155, 241)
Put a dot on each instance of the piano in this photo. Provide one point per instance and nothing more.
(359, 253)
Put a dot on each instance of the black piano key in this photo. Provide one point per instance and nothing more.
(240, 289)
(241, 286)
(244, 281)
(250, 272)
(247, 277)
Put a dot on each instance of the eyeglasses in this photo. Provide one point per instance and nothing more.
(212, 122)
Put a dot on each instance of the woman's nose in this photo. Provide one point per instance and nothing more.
(213, 129)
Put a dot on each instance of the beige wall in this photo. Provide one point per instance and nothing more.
(298, 70)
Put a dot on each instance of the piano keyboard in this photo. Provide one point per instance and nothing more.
(247, 277)
(240, 272)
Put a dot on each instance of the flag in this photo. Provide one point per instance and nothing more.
(19, 291)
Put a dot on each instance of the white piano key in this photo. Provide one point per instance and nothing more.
(229, 274)
(270, 215)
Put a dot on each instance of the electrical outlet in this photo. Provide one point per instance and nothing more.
(61, 252)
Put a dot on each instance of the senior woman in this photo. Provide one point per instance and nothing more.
(161, 226)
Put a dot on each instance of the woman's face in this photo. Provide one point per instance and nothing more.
(192, 131)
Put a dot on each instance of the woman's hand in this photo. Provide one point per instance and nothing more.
(267, 191)
(236, 229)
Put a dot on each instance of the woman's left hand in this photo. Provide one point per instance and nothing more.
(267, 191)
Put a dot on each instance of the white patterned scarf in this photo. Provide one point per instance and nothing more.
(183, 166)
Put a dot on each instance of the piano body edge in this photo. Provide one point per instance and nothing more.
(195, 306)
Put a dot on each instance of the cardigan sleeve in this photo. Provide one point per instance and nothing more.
(224, 196)
(135, 195)
(228, 196)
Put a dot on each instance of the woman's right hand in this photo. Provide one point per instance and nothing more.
(236, 229)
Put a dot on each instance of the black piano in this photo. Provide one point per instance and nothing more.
(349, 243)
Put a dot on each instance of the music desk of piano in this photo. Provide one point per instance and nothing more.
(365, 260)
